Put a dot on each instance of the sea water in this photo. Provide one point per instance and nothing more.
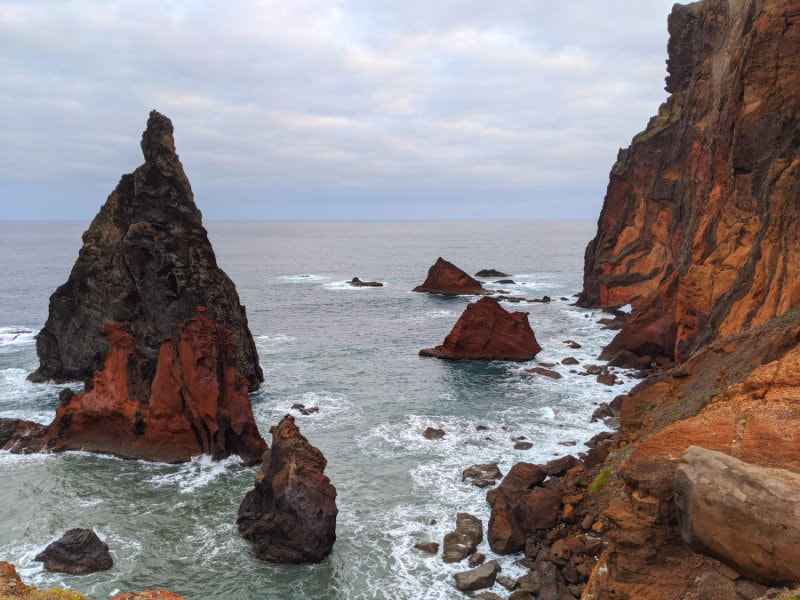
(350, 352)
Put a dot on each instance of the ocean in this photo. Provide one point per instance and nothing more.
(351, 352)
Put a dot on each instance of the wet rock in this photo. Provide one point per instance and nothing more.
(147, 264)
(195, 402)
(486, 331)
(737, 512)
(22, 437)
(482, 475)
(508, 583)
(304, 410)
(486, 273)
(607, 378)
(464, 540)
(356, 282)
(77, 552)
(446, 279)
(476, 559)
(506, 282)
(572, 344)
(431, 433)
(570, 361)
(542, 371)
(478, 578)
(488, 596)
(429, 547)
(523, 446)
(290, 516)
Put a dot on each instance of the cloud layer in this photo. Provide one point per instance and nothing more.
(319, 109)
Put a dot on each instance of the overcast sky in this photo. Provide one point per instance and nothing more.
(329, 109)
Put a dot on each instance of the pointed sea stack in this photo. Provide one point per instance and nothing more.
(448, 280)
(195, 403)
(146, 263)
(290, 516)
(699, 225)
(486, 331)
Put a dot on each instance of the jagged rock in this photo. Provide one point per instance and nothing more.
(520, 479)
(147, 264)
(447, 279)
(356, 282)
(746, 516)
(290, 516)
(464, 540)
(697, 229)
(482, 475)
(12, 588)
(486, 331)
(77, 552)
(478, 578)
(22, 437)
(196, 401)
(486, 273)
(558, 466)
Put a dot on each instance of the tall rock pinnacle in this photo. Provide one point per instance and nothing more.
(147, 264)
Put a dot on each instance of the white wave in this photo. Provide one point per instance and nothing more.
(331, 407)
(303, 278)
(273, 340)
(193, 475)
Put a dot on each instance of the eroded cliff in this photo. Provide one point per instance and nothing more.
(698, 229)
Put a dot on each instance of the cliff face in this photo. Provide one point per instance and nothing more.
(698, 229)
(147, 263)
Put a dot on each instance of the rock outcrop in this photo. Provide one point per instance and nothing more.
(12, 588)
(77, 552)
(748, 517)
(448, 280)
(290, 516)
(146, 263)
(698, 231)
(486, 331)
(356, 282)
(195, 402)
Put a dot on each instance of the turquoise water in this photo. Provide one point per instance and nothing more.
(350, 351)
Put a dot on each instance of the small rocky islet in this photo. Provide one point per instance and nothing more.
(694, 495)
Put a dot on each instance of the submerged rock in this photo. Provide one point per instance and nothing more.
(290, 516)
(195, 403)
(356, 282)
(486, 331)
(146, 263)
(77, 552)
(485, 273)
(447, 279)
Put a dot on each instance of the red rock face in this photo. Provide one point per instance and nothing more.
(486, 331)
(195, 403)
(698, 229)
(290, 516)
(447, 279)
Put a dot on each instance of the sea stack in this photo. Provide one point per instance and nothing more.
(699, 225)
(446, 279)
(153, 326)
(290, 516)
(486, 331)
(147, 264)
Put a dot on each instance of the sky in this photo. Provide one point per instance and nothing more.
(329, 109)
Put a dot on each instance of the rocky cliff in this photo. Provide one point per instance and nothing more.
(146, 263)
(698, 229)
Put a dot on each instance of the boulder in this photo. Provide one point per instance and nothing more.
(504, 533)
(478, 578)
(486, 331)
(448, 280)
(429, 547)
(77, 552)
(538, 509)
(482, 475)
(746, 516)
(194, 402)
(543, 372)
(147, 264)
(464, 540)
(432, 433)
(148, 595)
(356, 282)
(290, 516)
(521, 478)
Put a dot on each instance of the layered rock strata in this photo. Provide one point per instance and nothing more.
(486, 331)
(196, 402)
(146, 263)
(697, 230)
(446, 279)
(290, 515)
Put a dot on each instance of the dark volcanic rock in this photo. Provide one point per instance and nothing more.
(432, 433)
(77, 552)
(486, 331)
(429, 547)
(290, 516)
(356, 282)
(22, 437)
(447, 279)
(195, 403)
(698, 228)
(491, 273)
(146, 263)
